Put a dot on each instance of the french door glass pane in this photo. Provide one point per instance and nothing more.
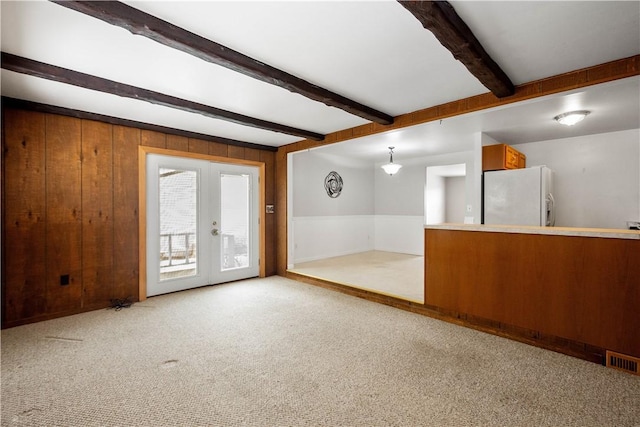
(234, 195)
(178, 195)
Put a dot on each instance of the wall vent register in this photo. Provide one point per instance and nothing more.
(623, 362)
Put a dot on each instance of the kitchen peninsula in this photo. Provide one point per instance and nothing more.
(573, 290)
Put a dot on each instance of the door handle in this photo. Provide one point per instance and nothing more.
(214, 232)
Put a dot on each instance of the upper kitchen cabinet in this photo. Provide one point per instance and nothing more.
(502, 156)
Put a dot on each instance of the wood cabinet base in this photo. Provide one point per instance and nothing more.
(573, 294)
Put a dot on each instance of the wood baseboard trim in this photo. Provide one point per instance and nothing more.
(50, 316)
(549, 342)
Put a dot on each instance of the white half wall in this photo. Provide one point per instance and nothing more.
(323, 237)
(399, 233)
(319, 237)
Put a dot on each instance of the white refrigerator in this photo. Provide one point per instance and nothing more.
(519, 197)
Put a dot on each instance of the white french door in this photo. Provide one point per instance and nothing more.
(202, 223)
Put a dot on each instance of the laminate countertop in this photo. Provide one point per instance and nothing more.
(606, 233)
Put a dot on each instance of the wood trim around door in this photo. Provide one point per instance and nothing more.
(142, 205)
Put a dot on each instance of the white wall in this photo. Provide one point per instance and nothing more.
(374, 211)
(596, 177)
(400, 202)
(455, 192)
(399, 233)
(328, 236)
(402, 193)
(399, 209)
(309, 195)
(321, 226)
(435, 198)
(442, 196)
(597, 184)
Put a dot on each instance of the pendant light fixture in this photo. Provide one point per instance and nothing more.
(391, 167)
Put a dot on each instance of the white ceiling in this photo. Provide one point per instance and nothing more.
(614, 106)
(374, 52)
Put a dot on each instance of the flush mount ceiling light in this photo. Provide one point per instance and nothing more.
(572, 117)
(391, 167)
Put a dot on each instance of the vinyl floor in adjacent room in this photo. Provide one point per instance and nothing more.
(389, 273)
(276, 352)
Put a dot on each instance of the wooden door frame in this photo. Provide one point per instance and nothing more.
(142, 205)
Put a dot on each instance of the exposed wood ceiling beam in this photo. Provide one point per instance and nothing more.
(441, 19)
(141, 23)
(64, 75)
(8, 102)
(582, 78)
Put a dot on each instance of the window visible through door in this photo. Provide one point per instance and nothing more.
(202, 223)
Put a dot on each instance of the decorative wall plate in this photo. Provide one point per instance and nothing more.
(333, 184)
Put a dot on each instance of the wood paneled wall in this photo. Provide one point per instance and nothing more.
(70, 211)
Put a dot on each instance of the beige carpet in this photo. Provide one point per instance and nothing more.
(389, 273)
(274, 352)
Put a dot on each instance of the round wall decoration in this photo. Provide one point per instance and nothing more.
(333, 184)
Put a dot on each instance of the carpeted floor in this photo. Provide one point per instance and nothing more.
(274, 352)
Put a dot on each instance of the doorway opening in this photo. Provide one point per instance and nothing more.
(359, 239)
(445, 194)
(201, 220)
